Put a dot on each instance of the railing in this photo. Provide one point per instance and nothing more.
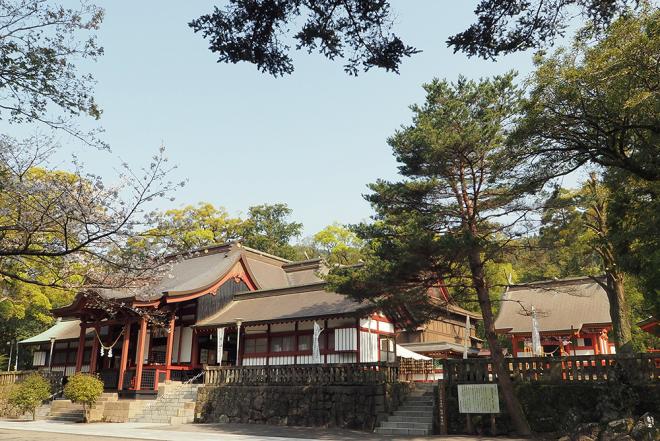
(330, 374)
(586, 368)
(185, 375)
(54, 378)
(13, 377)
(416, 370)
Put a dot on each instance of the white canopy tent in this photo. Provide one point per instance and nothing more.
(407, 353)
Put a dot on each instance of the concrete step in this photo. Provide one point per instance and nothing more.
(415, 408)
(412, 419)
(417, 432)
(406, 425)
(415, 414)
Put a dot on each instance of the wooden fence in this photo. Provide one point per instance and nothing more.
(330, 374)
(12, 377)
(587, 368)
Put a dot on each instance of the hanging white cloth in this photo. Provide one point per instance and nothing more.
(220, 343)
(466, 337)
(316, 350)
(537, 349)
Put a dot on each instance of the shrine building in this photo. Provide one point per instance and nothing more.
(573, 317)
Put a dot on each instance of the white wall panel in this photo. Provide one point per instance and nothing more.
(386, 327)
(254, 361)
(369, 324)
(84, 368)
(281, 360)
(341, 358)
(39, 358)
(346, 339)
(186, 344)
(306, 359)
(175, 345)
(368, 347)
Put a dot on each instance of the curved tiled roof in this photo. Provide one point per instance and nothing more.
(283, 304)
(560, 305)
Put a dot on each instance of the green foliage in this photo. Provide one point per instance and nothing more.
(597, 102)
(338, 245)
(192, 227)
(265, 228)
(29, 394)
(423, 230)
(268, 229)
(83, 388)
(633, 217)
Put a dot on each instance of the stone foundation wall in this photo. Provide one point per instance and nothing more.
(354, 407)
(562, 407)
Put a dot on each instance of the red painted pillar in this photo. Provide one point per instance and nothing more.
(81, 347)
(170, 345)
(123, 361)
(95, 351)
(140, 353)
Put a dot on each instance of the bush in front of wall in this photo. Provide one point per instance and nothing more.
(84, 389)
(29, 394)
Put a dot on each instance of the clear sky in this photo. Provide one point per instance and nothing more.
(312, 140)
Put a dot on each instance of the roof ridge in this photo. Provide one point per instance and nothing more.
(277, 291)
(567, 281)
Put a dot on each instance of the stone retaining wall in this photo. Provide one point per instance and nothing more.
(354, 407)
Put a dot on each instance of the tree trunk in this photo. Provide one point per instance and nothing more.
(513, 406)
(619, 312)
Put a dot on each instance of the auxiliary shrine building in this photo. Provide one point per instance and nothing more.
(251, 307)
(573, 317)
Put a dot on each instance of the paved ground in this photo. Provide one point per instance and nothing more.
(59, 431)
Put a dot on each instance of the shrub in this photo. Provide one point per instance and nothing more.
(29, 394)
(84, 389)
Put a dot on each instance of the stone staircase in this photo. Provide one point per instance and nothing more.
(65, 410)
(175, 405)
(414, 416)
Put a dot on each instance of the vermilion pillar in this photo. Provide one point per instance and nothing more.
(95, 351)
(170, 345)
(140, 353)
(124, 355)
(81, 347)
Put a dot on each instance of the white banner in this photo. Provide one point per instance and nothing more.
(316, 351)
(220, 335)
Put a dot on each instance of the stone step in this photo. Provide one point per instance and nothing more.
(412, 419)
(418, 432)
(416, 407)
(406, 425)
(409, 413)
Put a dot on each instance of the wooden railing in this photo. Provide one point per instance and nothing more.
(13, 377)
(330, 374)
(587, 368)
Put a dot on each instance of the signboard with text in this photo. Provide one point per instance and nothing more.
(478, 398)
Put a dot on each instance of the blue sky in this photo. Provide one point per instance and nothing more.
(312, 140)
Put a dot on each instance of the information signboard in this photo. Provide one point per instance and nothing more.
(478, 398)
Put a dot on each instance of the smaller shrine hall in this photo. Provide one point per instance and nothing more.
(573, 317)
(226, 305)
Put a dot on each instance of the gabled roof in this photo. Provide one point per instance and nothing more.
(61, 330)
(202, 269)
(277, 305)
(560, 305)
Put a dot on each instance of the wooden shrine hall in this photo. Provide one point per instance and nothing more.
(226, 305)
